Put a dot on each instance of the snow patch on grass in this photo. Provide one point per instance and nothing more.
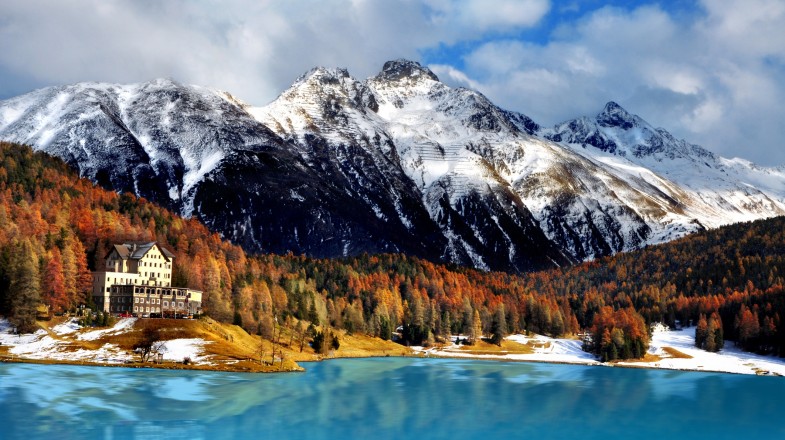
(66, 344)
(178, 349)
(560, 350)
(67, 327)
(545, 349)
(121, 326)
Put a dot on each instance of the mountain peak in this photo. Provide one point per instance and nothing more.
(399, 69)
(613, 115)
(323, 74)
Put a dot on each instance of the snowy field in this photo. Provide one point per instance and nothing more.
(730, 359)
(64, 344)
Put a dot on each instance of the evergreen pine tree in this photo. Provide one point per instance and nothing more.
(701, 332)
(499, 326)
(53, 283)
(24, 289)
(84, 279)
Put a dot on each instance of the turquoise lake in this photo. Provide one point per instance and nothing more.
(388, 398)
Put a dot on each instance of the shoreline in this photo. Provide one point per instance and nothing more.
(628, 364)
(730, 360)
(66, 343)
(4, 359)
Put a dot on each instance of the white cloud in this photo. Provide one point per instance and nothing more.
(450, 74)
(717, 79)
(253, 48)
(488, 14)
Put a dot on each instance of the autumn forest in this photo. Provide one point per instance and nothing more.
(55, 228)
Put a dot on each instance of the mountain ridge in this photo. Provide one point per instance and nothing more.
(399, 162)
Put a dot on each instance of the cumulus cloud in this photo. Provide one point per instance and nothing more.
(717, 79)
(484, 15)
(454, 76)
(254, 49)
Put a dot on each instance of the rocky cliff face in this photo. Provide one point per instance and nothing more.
(399, 162)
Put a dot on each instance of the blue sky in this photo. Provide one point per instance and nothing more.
(562, 14)
(709, 71)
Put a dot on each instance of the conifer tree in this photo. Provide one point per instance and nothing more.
(701, 332)
(499, 326)
(53, 283)
(476, 328)
(70, 274)
(25, 287)
(84, 279)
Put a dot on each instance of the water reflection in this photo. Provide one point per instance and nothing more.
(386, 398)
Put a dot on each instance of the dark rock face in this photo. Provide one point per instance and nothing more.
(273, 202)
(615, 116)
(400, 69)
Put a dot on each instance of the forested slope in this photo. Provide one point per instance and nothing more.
(54, 227)
(734, 271)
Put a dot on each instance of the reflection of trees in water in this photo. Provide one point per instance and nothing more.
(392, 397)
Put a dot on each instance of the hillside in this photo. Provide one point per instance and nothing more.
(47, 213)
(735, 271)
(201, 344)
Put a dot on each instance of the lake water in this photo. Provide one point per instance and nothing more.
(389, 398)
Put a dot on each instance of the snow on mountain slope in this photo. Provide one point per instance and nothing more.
(156, 139)
(637, 185)
(445, 186)
(454, 140)
(399, 162)
(720, 191)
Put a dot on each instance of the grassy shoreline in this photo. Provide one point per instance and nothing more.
(228, 348)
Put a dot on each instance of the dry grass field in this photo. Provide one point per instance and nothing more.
(507, 347)
(676, 353)
(225, 348)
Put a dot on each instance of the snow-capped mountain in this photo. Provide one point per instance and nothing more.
(405, 122)
(720, 191)
(399, 162)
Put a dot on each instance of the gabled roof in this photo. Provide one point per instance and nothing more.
(121, 250)
(136, 251)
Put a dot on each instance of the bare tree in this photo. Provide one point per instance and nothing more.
(301, 334)
(261, 350)
(290, 327)
(149, 343)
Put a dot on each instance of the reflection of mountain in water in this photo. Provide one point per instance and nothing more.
(386, 398)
